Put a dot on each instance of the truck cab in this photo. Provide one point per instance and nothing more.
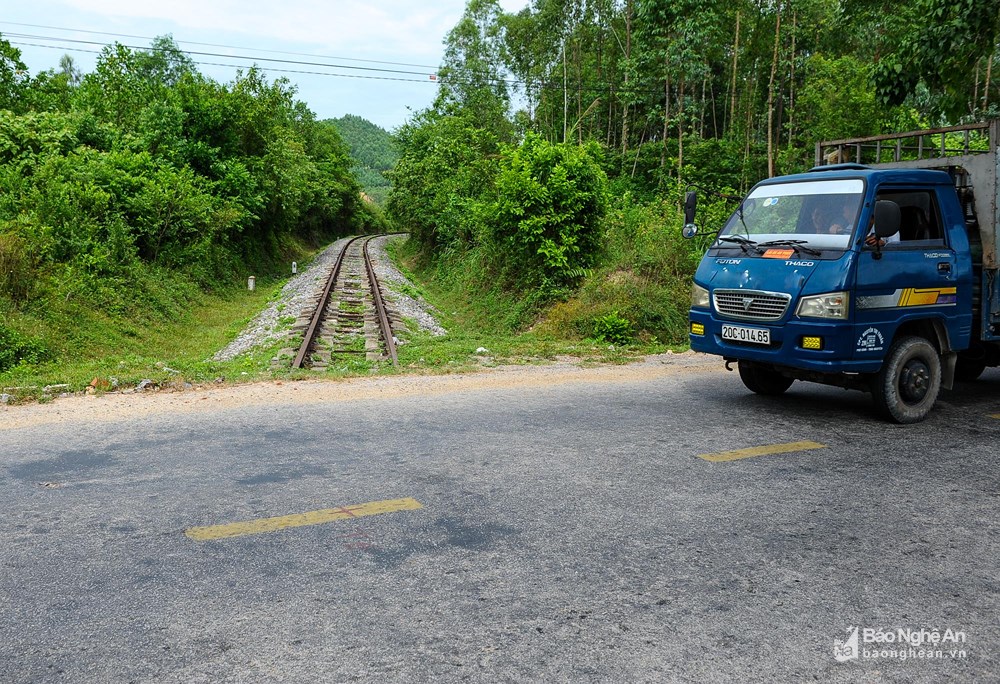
(846, 275)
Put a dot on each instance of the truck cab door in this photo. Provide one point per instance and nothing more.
(915, 275)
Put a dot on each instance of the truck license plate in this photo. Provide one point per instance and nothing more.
(738, 333)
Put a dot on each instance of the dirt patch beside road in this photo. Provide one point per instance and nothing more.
(113, 407)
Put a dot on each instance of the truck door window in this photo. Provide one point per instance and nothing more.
(920, 220)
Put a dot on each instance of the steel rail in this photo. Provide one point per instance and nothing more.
(383, 318)
(317, 317)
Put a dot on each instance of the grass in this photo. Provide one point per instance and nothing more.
(469, 328)
(169, 351)
(171, 338)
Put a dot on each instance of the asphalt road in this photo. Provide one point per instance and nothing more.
(565, 532)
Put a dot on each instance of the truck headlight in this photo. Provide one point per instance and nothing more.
(699, 297)
(832, 305)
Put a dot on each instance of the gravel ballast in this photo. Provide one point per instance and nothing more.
(300, 294)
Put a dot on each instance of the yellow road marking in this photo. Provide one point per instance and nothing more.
(761, 451)
(261, 525)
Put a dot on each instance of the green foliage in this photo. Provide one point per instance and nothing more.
(676, 40)
(545, 224)
(49, 91)
(25, 138)
(643, 275)
(370, 146)
(372, 152)
(612, 328)
(471, 75)
(146, 169)
(447, 165)
(717, 163)
(17, 267)
(838, 99)
(512, 223)
(17, 349)
(939, 44)
(13, 76)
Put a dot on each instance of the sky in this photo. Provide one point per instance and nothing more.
(387, 50)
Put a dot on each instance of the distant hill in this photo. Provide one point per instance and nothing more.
(373, 153)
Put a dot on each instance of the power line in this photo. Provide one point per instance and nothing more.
(60, 44)
(28, 36)
(582, 86)
(433, 79)
(459, 77)
(218, 45)
(238, 66)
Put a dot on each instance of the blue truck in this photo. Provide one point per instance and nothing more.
(877, 270)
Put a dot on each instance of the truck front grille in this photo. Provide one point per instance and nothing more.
(751, 305)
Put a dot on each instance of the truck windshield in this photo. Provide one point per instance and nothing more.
(820, 215)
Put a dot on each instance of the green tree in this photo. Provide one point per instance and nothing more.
(940, 45)
(447, 164)
(114, 91)
(545, 224)
(838, 99)
(13, 76)
(674, 43)
(472, 77)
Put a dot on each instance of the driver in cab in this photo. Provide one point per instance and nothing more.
(823, 224)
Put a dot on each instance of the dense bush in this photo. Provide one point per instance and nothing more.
(546, 220)
(145, 172)
(447, 166)
(641, 277)
(18, 349)
(146, 161)
(611, 327)
(16, 267)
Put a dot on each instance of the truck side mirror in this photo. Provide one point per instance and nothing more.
(887, 218)
(690, 207)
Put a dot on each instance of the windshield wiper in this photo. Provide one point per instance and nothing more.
(797, 245)
(748, 246)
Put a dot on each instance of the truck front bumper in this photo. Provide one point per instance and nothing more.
(813, 345)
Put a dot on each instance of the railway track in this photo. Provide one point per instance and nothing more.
(350, 317)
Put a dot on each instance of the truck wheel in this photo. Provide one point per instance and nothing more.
(907, 386)
(763, 380)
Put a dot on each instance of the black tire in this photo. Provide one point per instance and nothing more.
(968, 368)
(908, 384)
(763, 380)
